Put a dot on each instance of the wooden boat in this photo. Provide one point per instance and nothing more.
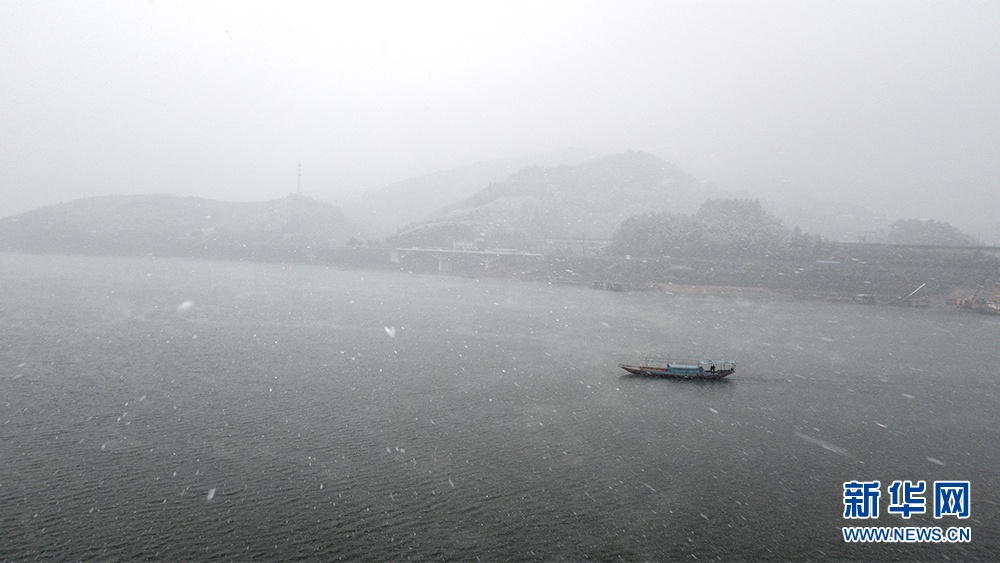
(682, 369)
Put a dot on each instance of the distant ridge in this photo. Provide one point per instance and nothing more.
(383, 210)
(587, 200)
(289, 228)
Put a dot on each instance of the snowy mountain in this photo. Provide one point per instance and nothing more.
(384, 210)
(587, 200)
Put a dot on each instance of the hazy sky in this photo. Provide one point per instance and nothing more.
(891, 105)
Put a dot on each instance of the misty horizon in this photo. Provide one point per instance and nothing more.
(882, 105)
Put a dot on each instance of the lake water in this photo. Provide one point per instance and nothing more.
(169, 409)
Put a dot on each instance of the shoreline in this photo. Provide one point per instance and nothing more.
(552, 275)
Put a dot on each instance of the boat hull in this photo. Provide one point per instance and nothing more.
(676, 372)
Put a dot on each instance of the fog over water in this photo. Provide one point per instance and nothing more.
(415, 241)
(890, 105)
(173, 409)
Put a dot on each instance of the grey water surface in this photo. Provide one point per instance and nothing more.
(171, 409)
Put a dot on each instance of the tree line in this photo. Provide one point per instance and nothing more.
(742, 229)
(721, 228)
